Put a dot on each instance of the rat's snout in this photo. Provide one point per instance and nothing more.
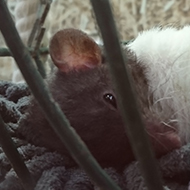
(163, 138)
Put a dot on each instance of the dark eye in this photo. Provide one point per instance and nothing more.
(109, 98)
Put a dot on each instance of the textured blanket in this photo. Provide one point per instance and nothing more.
(52, 171)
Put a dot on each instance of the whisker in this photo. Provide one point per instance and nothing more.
(169, 75)
(178, 111)
(161, 99)
(169, 126)
(151, 135)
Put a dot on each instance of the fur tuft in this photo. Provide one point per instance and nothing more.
(165, 53)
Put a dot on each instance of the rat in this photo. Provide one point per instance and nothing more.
(81, 85)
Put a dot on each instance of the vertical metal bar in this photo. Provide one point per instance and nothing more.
(40, 65)
(33, 32)
(51, 110)
(126, 96)
(38, 33)
(14, 157)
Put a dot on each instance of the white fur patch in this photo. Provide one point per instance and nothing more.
(166, 55)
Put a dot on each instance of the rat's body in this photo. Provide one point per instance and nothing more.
(84, 91)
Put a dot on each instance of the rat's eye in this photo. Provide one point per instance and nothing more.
(109, 98)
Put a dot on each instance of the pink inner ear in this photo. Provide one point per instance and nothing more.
(72, 49)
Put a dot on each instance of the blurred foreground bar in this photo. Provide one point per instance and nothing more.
(51, 110)
(14, 157)
(126, 96)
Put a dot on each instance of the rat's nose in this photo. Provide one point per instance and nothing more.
(163, 138)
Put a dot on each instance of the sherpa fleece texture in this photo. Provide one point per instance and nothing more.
(51, 170)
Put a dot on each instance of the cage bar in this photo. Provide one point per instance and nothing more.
(51, 110)
(125, 95)
(4, 52)
(15, 158)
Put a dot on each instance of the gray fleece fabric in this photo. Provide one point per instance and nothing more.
(53, 171)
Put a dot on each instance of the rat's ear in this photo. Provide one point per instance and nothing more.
(71, 49)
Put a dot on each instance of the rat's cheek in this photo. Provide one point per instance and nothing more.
(162, 139)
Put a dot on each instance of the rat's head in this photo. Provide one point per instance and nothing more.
(82, 86)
